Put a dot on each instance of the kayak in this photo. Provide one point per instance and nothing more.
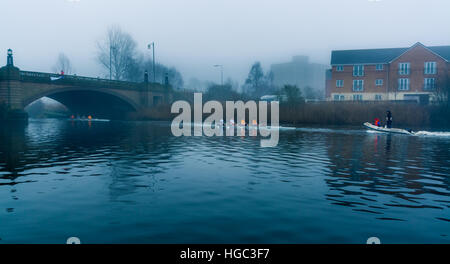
(388, 130)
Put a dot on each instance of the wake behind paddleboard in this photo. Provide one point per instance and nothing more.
(388, 130)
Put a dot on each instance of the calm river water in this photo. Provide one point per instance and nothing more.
(133, 182)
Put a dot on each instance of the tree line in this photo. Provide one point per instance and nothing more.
(120, 58)
(260, 83)
(118, 55)
(128, 63)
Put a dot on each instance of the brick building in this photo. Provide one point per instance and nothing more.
(414, 73)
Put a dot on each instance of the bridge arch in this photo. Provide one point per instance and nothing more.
(100, 103)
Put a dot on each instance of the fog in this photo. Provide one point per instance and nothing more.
(193, 35)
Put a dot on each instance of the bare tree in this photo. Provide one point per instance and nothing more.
(442, 90)
(119, 51)
(119, 56)
(63, 64)
(255, 76)
(175, 77)
(258, 83)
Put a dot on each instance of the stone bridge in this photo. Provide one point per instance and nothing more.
(100, 98)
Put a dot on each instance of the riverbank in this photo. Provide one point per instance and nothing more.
(356, 113)
(2, 112)
(338, 113)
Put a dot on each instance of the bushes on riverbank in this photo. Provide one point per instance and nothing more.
(336, 113)
(2, 111)
(356, 113)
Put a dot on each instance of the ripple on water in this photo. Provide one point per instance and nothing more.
(320, 183)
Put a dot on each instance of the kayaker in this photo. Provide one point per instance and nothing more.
(388, 119)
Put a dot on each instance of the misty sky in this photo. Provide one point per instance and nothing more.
(193, 35)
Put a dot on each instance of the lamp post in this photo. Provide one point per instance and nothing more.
(9, 64)
(221, 73)
(152, 46)
(110, 61)
(10, 58)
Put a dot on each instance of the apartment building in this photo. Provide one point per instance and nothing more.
(414, 73)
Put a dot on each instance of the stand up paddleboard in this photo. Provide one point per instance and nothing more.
(388, 130)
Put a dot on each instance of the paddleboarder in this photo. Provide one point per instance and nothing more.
(388, 119)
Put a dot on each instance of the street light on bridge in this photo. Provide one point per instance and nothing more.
(110, 61)
(152, 46)
(10, 58)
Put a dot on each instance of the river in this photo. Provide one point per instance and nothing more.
(133, 182)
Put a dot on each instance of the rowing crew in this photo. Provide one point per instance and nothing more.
(231, 123)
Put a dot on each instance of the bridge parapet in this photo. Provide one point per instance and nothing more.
(57, 79)
(100, 97)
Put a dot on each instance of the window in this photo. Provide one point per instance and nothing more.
(430, 67)
(339, 97)
(379, 82)
(378, 97)
(403, 84)
(379, 67)
(429, 83)
(358, 70)
(358, 85)
(339, 83)
(357, 97)
(339, 68)
(403, 68)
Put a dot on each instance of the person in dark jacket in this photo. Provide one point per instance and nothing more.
(388, 119)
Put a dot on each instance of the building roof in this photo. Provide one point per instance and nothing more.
(443, 51)
(374, 56)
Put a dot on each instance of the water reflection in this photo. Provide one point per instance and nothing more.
(389, 171)
(133, 182)
(78, 149)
